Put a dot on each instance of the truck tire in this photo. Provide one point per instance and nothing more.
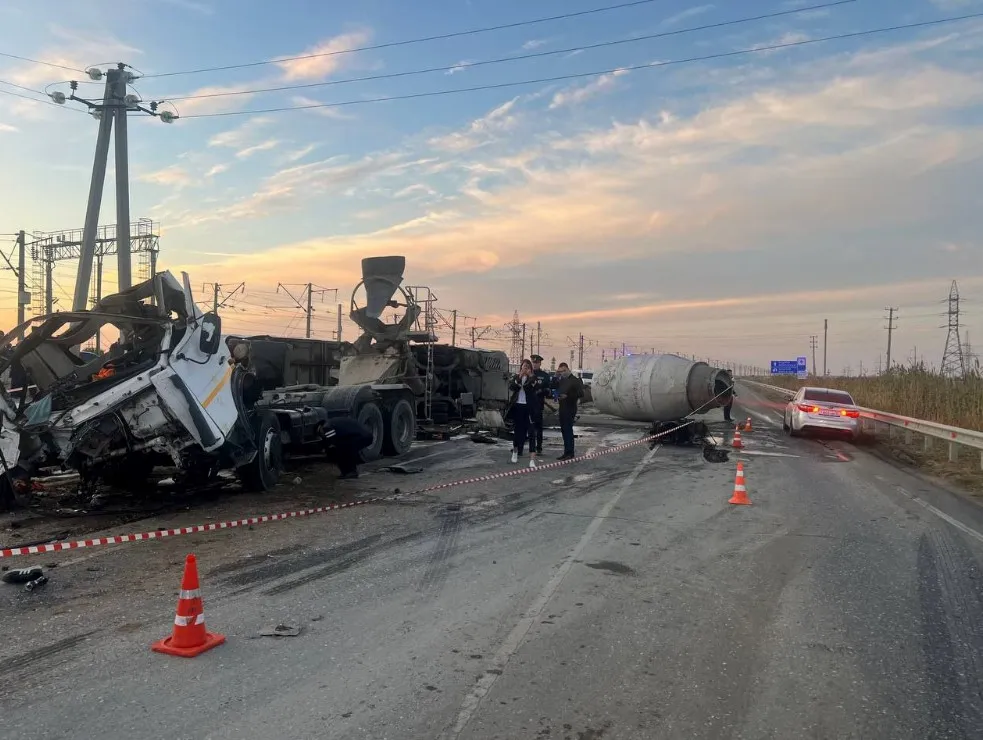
(400, 428)
(264, 471)
(370, 416)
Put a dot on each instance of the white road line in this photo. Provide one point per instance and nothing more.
(765, 418)
(765, 454)
(942, 515)
(518, 633)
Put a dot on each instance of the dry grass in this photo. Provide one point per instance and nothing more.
(922, 395)
(909, 392)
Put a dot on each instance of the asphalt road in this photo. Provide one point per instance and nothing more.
(616, 598)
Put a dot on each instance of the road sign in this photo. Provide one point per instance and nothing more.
(802, 369)
(784, 367)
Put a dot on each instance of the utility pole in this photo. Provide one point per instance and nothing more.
(580, 363)
(890, 330)
(539, 337)
(215, 289)
(454, 328)
(113, 108)
(339, 322)
(23, 297)
(825, 341)
(813, 342)
(309, 289)
(953, 359)
(523, 352)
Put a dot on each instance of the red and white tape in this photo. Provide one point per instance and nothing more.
(214, 526)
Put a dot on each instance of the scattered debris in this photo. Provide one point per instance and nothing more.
(683, 434)
(280, 630)
(483, 438)
(23, 575)
(298, 480)
(404, 469)
(36, 583)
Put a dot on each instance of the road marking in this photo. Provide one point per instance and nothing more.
(518, 633)
(766, 454)
(764, 417)
(942, 515)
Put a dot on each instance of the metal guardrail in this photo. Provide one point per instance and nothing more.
(930, 430)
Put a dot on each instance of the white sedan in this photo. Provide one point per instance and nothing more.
(822, 410)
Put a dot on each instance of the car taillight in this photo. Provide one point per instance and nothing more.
(851, 414)
(808, 409)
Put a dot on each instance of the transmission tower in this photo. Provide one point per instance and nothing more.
(514, 328)
(953, 360)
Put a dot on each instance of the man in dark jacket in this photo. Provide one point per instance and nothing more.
(570, 390)
(539, 404)
(344, 438)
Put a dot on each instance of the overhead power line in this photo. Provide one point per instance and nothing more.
(40, 61)
(407, 42)
(594, 73)
(36, 100)
(514, 58)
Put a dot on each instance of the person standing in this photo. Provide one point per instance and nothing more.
(729, 403)
(524, 386)
(536, 429)
(570, 389)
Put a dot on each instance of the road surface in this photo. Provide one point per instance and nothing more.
(615, 598)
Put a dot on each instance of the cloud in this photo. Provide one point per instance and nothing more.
(688, 13)
(217, 169)
(414, 189)
(242, 135)
(459, 67)
(72, 49)
(331, 57)
(212, 99)
(481, 130)
(298, 154)
(7, 128)
(263, 146)
(327, 112)
(173, 176)
(574, 95)
(534, 44)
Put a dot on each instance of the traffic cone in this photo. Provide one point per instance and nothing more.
(737, 444)
(190, 638)
(740, 490)
(747, 425)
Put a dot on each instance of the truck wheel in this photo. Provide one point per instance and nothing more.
(264, 471)
(400, 429)
(371, 417)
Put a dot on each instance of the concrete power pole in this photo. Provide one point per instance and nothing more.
(23, 297)
(813, 341)
(339, 322)
(890, 330)
(215, 289)
(113, 108)
(539, 337)
(454, 328)
(580, 363)
(522, 353)
(825, 341)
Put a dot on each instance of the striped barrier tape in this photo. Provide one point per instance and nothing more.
(215, 526)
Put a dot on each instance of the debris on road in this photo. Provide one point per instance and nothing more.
(280, 630)
(36, 583)
(23, 575)
(404, 469)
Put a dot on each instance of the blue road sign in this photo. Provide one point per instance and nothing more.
(784, 367)
(803, 368)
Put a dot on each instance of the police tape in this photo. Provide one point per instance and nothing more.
(160, 534)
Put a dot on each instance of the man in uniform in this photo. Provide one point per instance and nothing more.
(343, 439)
(539, 404)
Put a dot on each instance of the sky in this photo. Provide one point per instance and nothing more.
(637, 193)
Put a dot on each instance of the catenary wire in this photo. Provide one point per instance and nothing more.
(515, 58)
(42, 102)
(407, 42)
(595, 73)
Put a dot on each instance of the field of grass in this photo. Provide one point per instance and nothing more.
(910, 392)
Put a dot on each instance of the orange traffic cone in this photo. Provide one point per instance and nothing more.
(747, 425)
(737, 444)
(190, 638)
(740, 490)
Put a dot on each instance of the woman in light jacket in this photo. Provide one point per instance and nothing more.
(524, 386)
